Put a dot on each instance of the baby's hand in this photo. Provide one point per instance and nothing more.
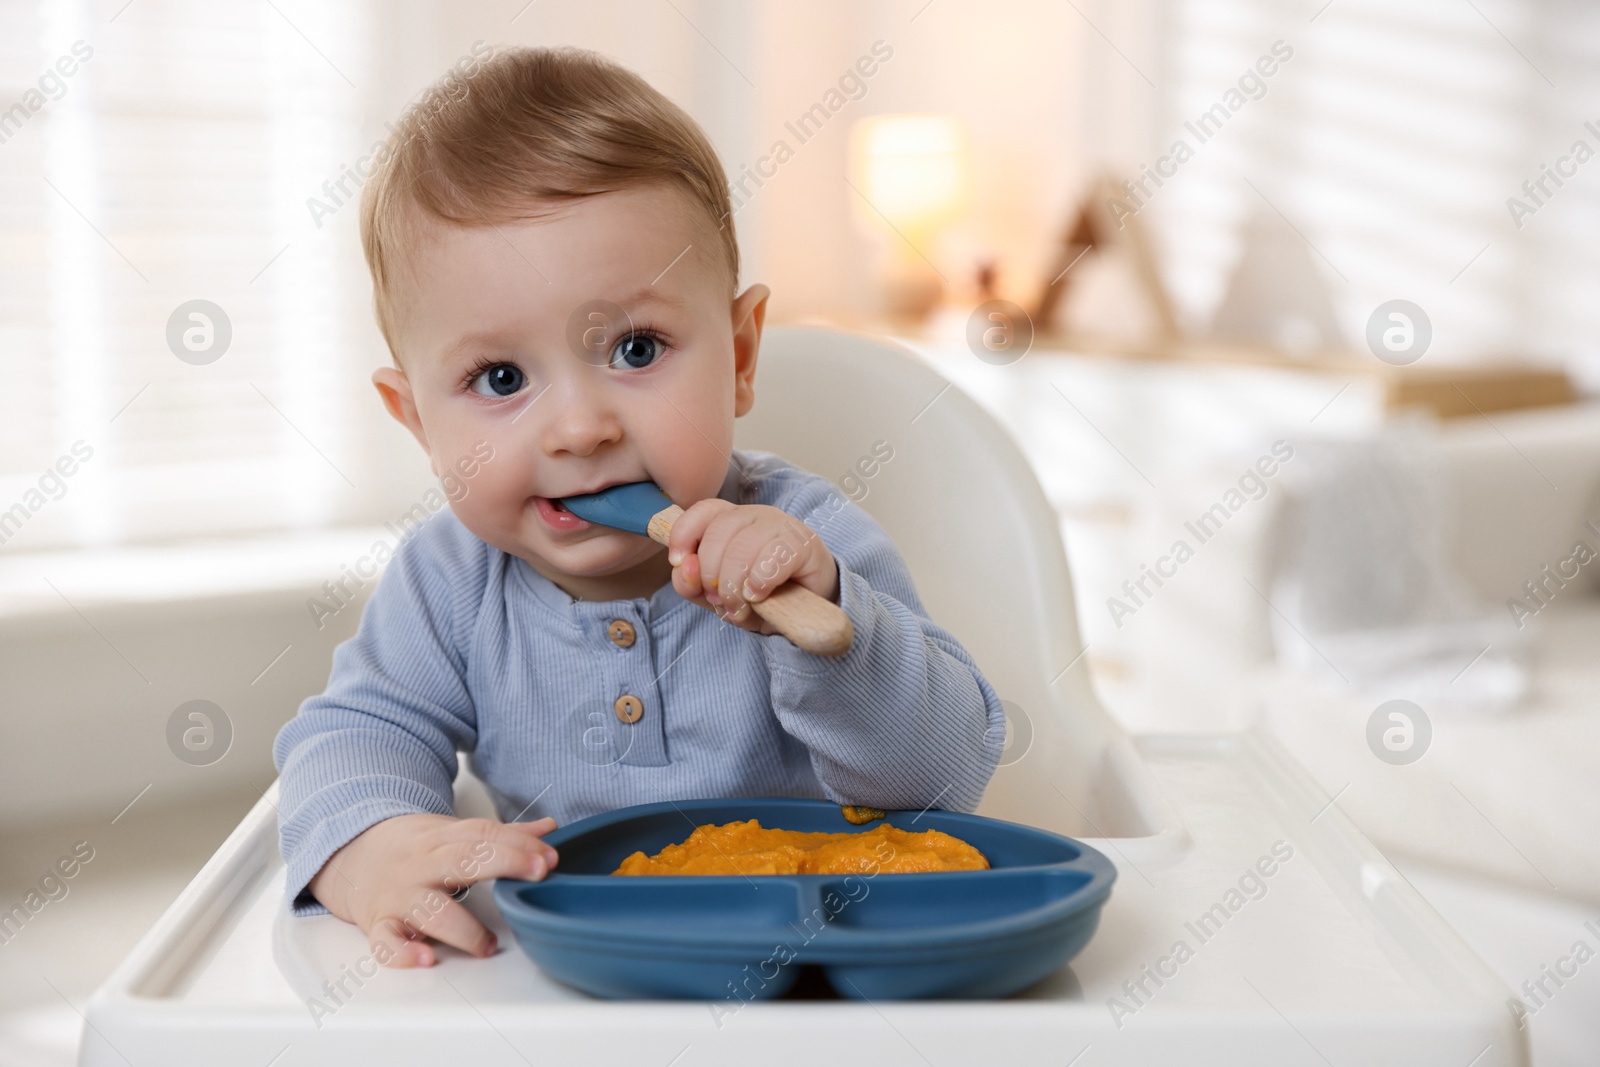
(717, 548)
(396, 880)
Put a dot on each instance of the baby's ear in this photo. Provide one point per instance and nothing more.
(749, 313)
(395, 389)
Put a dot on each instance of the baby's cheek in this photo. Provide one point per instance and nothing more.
(686, 489)
(682, 466)
(497, 511)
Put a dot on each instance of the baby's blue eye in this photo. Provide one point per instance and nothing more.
(502, 379)
(635, 350)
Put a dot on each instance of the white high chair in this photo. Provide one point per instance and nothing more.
(1331, 958)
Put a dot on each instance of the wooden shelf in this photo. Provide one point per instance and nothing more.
(1448, 390)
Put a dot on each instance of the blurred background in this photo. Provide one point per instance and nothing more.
(1307, 288)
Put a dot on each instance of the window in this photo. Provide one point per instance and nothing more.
(155, 154)
(1393, 140)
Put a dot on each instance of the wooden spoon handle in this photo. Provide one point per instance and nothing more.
(816, 625)
(819, 626)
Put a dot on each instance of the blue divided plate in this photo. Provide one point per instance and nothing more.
(892, 936)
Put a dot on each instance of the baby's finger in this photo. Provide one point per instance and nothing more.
(755, 553)
(697, 596)
(531, 861)
(686, 578)
(776, 560)
(687, 582)
(491, 849)
(759, 557)
(454, 925)
(714, 545)
(523, 836)
(689, 527)
(393, 945)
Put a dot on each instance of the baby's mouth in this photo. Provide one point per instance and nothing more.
(557, 516)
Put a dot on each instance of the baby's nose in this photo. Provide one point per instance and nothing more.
(580, 421)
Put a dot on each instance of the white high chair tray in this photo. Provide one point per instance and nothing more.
(1339, 962)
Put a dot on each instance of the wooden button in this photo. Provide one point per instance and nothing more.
(629, 708)
(621, 633)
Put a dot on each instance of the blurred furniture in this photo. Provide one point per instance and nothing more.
(1446, 390)
(1106, 226)
(1132, 445)
(1512, 796)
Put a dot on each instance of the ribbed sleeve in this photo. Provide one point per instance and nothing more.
(904, 719)
(382, 739)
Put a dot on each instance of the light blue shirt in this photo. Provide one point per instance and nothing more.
(465, 647)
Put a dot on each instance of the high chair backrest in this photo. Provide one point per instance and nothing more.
(983, 546)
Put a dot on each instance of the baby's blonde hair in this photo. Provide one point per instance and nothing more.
(521, 129)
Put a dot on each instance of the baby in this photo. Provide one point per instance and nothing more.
(556, 275)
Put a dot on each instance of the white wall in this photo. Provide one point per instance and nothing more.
(1014, 71)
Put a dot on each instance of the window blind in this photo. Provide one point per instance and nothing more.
(172, 164)
(1394, 141)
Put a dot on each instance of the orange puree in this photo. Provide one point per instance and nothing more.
(747, 848)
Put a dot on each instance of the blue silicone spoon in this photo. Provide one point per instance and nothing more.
(812, 623)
